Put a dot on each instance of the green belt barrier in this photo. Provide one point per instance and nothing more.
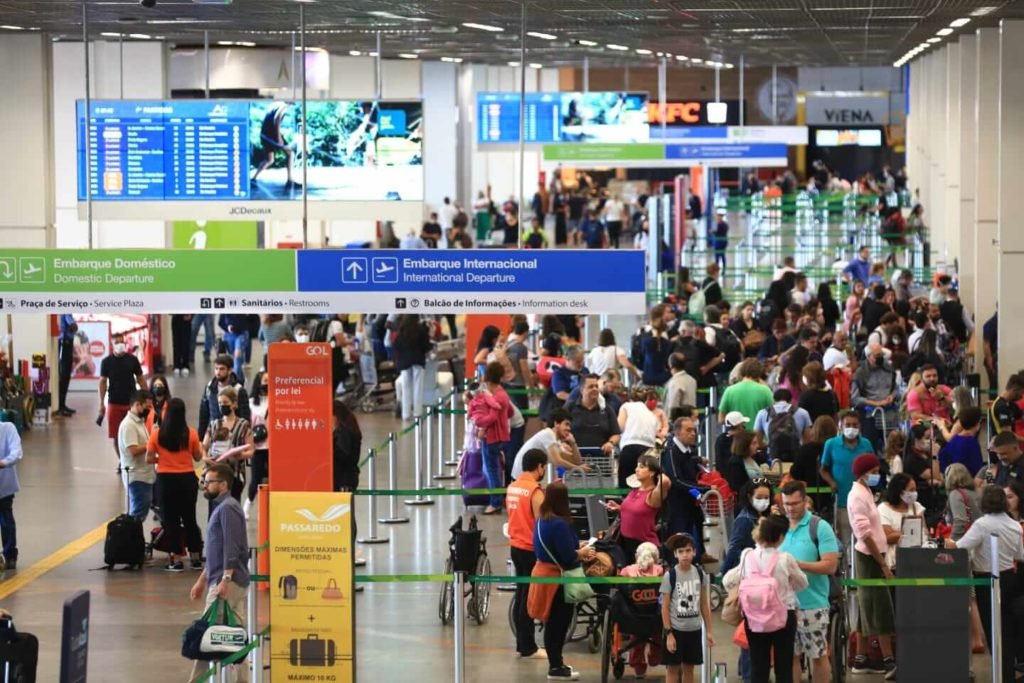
(408, 430)
(915, 583)
(525, 392)
(482, 492)
(234, 658)
(259, 577)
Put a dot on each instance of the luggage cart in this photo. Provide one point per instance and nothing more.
(717, 528)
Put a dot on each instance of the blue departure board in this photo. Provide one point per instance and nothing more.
(166, 150)
(498, 118)
(240, 150)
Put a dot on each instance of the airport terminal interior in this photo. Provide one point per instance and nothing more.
(592, 339)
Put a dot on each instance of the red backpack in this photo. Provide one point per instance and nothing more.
(840, 382)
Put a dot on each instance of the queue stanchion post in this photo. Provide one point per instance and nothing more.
(393, 517)
(441, 475)
(705, 669)
(417, 443)
(460, 627)
(371, 503)
(997, 616)
(428, 454)
(709, 422)
(453, 459)
(251, 620)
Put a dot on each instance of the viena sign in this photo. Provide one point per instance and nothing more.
(842, 109)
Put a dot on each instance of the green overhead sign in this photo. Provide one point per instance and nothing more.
(145, 270)
(601, 152)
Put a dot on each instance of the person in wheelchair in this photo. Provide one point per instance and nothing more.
(625, 609)
(685, 605)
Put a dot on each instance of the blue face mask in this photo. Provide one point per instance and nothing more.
(873, 480)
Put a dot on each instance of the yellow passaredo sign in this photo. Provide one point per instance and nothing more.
(311, 605)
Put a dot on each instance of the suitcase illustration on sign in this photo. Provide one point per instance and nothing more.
(311, 651)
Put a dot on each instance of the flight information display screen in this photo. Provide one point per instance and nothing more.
(563, 117)
(230, 150)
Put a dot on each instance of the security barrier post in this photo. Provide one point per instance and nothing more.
(393, 517)
(997, 616)
(460, 627)
(428, 429)
(705, 669)
(453, 460)
(371, 502)
(417, 439)
(251, 621)
(441, 476)
(710, 420)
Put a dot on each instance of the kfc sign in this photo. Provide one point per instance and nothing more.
(696, 113)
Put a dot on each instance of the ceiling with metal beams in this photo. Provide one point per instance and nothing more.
(784, 32)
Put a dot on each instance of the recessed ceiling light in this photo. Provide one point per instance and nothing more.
(9, 27)
(641, 51)
(728, 66)
(105, 35)
(452, 60)
(682, 58)
(513, 63)
(697, 60)
(934, 40)
(536, 66)
(957, 23)
(982, 11)
(408, 55)
(943, 31)
(139, 36)
(241, 43)
(542, 36)
(587, 43)
(225, 42)
(483, 27)
(355, 53)
(614, 46)
(371, 54)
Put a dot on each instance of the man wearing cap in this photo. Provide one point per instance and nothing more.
(837, 466)
(874, 604)
(735, 422)
(748, 396)
(681, 464)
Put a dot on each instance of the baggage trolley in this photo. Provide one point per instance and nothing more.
(717, 528)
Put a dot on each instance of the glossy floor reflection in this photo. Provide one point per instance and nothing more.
(70, 488)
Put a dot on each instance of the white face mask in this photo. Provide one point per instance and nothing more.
(909, 497)
(302, 338)
(851, 433)
(761, 504)
(120, 348)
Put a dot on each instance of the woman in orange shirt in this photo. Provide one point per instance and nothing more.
(175, 447)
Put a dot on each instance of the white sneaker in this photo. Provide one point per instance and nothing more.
(177, 371)
(184, 372)
(245, 507)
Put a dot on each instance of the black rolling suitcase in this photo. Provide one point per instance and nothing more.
(125, 543)
(19, 654)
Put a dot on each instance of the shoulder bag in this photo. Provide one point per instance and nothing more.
(574, 592)
(206, 640)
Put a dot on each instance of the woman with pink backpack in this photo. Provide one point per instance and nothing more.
(768, 580)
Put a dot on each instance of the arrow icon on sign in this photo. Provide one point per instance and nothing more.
(6, 267)
(353, 267)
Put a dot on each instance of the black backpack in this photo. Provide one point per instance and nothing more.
(783, 438)
(767, 313)
(728, 343)
(636, 346)
(125, 543)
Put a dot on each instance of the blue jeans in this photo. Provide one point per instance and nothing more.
(8, 528)
(491, 453)
(140, 499)
(206, 322)
(237, 341)
(744, 665)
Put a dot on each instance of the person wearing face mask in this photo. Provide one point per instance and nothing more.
(209, 406)
(640, 428)
(898, 501)
(120, 374)
(239, 436)
(226, 575)
(837, 460)
(132, 437)
(870, 548)
(301, 333)
(158, 387)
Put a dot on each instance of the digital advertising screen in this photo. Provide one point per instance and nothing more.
(251, 150)
(854, 137)
(605, 117)
(563, 117)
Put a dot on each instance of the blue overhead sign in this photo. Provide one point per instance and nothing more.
(496, 280)
(726, 151)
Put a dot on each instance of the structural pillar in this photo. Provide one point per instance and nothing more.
(950, 165)
(965, 165)
(936, 141)
(1010, 197)
(986, 161)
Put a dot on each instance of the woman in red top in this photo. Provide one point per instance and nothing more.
(490, 412)
(639, 511)
(175, 447)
